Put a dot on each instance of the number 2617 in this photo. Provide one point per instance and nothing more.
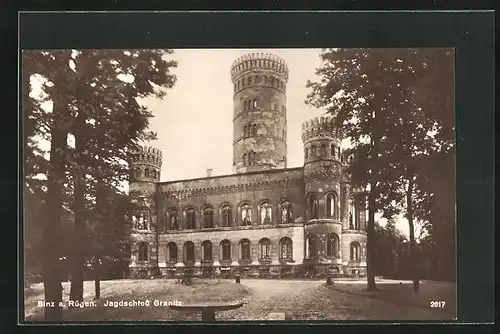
(438, 304)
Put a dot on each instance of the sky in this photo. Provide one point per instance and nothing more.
(194, 120)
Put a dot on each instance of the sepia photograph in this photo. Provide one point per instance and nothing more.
(224, 185)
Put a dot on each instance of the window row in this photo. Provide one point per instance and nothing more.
(332, 247)
(249, 159)
(259, 79)
(250, 104)
(138, 173)
(249, 130)
(332, 205)
(226, 215)
(323, 151)
(225, 252)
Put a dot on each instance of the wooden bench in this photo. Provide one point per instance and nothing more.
(207, 309)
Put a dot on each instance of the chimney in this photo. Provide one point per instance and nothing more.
(209, 172)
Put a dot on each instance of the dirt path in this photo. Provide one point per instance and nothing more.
(269, 296)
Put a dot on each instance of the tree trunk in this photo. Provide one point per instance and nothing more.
(413, 251)
(97, 281)
(78, 262)
(370, 235)
(52, 233)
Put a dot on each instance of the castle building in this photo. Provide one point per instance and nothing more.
(265, 218)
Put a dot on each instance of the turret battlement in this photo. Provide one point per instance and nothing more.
(259, 62)
(147, 156)
(320, 128)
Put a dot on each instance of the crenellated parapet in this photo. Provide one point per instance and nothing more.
(145, 164)
(320, 128)
(262, 62)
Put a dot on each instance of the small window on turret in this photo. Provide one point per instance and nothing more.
(306, 153)
(249, 80)
(323, 150)
(254, 103)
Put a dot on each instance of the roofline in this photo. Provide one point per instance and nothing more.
(236, 174)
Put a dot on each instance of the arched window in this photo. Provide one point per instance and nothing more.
(333, 245)
(353, 215)
(311, 249)
(208, 217)
(235, 87)
(331, 205)
(143, 220)
(146, 172)
(313, 150)
(225, 250)
(286, 213)
(172, 252)
(188, 252)
(286, 248)
(254, 129)
(244, 158)
(323, 150)
(206, 250)
(306, 153)
(142, 252)
(246, 214)
(265, 249)
(254, 104)
(252, 158)
(227, 216)
(338, 151)
(333, 151)
(265, 213)
(313, 205)
(355, 251)
(245, 249)
(172, 220)
(190, 219)
(250, 80)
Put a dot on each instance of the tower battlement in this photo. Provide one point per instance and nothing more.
(266, 62)
(319, 128)
(147, 156)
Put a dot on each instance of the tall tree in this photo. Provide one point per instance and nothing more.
(100, 89)
(361, 89)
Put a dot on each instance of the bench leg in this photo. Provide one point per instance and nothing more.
(208, 315)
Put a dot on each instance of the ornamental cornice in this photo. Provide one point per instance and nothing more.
(229, 189)
(325, 171)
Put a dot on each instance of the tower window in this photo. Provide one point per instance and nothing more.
(249, 80)
(313, 206)
(254, 104)
(245, 162)
(313, 150)
(283, 109)
(306, 153)
(331, 205)
(355, 251)
(338, 150)
(323, 150)
(333, 151)
(333, 245)
(254, 129)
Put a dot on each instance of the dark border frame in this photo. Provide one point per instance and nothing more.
(470, 33)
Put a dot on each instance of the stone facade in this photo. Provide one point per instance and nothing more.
(265, 219)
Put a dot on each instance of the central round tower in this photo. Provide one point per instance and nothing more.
(259, 117)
